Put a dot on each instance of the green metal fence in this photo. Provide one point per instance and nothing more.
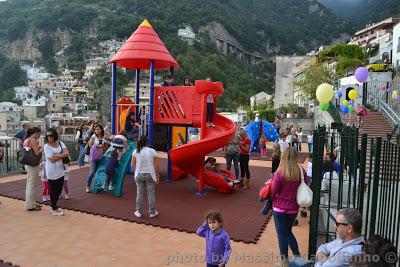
(368, 180)
(10, 164)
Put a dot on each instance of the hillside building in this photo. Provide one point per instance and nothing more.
(290, 69)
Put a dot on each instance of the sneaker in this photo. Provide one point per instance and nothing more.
(208, 124)
(87, 189)
(138, 214)
(212, 125)
(57, 212)
(103, 187)
(48, 198)
(110, 188)
(44, 198)
(66, 196)
(237, 181)
(154, 214)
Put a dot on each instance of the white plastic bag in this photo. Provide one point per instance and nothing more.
(304, 194)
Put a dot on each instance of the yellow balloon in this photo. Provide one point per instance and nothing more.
(345, 102)
(324, 93)
(394, 94)
(353, 94)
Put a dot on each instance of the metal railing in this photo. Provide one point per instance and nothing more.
(10, 164)
(367, 179)
(376, 95)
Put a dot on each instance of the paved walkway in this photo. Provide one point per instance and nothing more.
(78, 239)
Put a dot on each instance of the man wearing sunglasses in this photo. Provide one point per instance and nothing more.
(348, 243)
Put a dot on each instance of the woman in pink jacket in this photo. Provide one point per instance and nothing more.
(285, 183)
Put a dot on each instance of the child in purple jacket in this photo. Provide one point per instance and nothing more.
(218, 246)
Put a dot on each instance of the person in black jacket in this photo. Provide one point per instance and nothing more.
(276, 157)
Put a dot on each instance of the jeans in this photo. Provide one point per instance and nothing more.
(32, 182)
(309, 147)
(244, 165)
(235, 158)
(283, 226)
(81, 159)
(55, 191)
(93, 165)
(144, 181)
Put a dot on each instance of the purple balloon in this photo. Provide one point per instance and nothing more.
(361, 74)
(397, 98)
(389, 90)
(351, 102)
(341, 90)
(344, 109)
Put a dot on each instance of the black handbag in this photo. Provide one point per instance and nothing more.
(28, 157)
(267, 207)
(65, 160)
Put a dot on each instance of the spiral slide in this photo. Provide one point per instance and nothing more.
(190, 157)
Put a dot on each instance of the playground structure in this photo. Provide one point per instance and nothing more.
(256, 128)
(172, 106)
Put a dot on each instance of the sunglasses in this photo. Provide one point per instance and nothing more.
(338, 224)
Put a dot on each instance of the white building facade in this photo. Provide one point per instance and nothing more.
(25, 92)
(396, 46)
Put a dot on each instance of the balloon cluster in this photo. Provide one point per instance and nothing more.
(361, 76)
(394, 93)
(324, 94)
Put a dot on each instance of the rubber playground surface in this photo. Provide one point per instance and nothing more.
(301, 157)
(178, 205)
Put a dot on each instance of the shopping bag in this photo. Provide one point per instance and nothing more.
(304, 195)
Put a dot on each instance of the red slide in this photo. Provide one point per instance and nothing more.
(186, 105)
(190, 157)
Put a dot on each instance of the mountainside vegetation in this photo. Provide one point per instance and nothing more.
(265, 27)
(362, 12)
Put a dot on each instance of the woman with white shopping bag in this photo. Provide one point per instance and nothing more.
(286, 182)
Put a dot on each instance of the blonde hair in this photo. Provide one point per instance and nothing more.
(289, 166)
(276, 149)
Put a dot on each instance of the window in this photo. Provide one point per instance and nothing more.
(398, 46)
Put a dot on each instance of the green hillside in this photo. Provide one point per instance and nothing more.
(267, 27)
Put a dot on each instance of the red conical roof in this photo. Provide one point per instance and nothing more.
(143, 46)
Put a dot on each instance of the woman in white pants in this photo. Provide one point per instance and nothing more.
(32, 181)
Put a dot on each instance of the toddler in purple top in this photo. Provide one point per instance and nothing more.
(218, 246)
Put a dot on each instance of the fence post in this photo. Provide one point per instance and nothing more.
(8, 146)
(363, 160)
(318, 149)
(365, 92)
(375, 184)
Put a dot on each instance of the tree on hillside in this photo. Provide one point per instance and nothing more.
(313, 77)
